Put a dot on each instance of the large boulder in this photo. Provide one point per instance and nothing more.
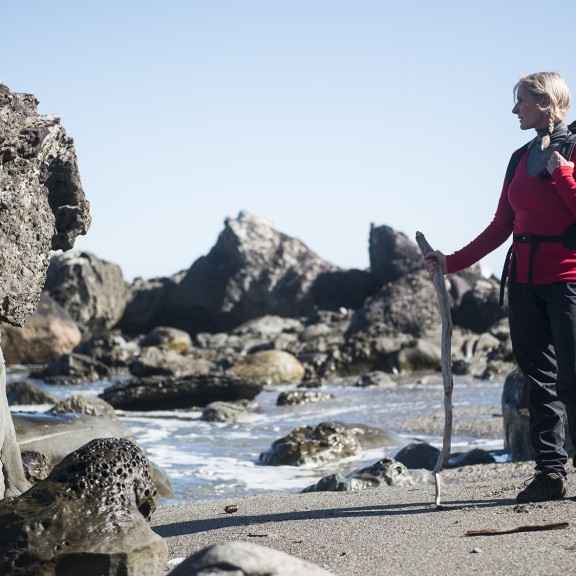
(92, 290)
(253, 270)
(270, 367)
(392, 254)
(41, 199)
(89, 516)
(43, 208)
(47, 334)
(327, 442)
(479, 307)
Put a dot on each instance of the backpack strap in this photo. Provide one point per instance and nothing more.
(515, 159)
(567, 147)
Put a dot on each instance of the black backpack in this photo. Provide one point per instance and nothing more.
(566, 150)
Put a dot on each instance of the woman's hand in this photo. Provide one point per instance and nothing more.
(557, 160)
(431, 261)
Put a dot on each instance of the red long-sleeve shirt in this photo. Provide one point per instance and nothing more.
(529, 206)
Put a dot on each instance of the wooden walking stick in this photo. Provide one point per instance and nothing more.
(446, 362)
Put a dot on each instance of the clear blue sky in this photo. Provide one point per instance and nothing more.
(321, 116)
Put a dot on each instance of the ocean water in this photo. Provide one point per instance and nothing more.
(207, 461)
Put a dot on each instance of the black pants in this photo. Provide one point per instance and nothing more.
(543, 331)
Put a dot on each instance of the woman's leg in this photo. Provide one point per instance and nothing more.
(532, 342)
(561, 299)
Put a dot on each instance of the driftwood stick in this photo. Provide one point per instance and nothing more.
(446, 362)
(525, 528)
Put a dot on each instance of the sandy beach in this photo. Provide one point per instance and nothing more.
(393, 530)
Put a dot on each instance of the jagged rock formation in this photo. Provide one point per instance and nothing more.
(42, 203)
(392, 254)
(89, 516)
(43, 208)
(252, 271)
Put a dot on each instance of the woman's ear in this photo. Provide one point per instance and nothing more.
(545, 102)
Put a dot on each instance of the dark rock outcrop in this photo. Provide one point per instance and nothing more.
(92, 290)
(252, 270)
(41, 199)
(158, 393)
(392, 255)
(479, 308)
(89, 516)
(43, 208)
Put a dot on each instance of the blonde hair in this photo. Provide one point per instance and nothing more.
(552, 85)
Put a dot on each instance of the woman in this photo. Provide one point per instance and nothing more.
(537, 204)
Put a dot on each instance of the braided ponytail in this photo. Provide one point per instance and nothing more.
(546, 139)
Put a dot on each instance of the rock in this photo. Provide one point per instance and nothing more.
(418, 455)
(298, 397)
(154, 361)
(73, 369)
(376, 378)
(41, 198)
(270, 367)
(89, 516)
(333, 290)
(229, 412)
(245, 559)
(111, 349)
(420, 356)
(89, 405)
(389, 321)
(385, 472)
(235, 281)
(24, 392)
(47, 334)
(92, 290)
(56, 435)
(392, 255)
(146, 304)
(475, 456)
(327, 442)
(480, 308)
(517, 420)
(168, 338)
(168, 393)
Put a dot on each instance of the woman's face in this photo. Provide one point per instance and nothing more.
(526, 108)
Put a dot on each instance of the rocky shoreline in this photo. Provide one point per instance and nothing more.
(260, 309)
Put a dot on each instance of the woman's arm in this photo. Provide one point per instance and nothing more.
(563, 175)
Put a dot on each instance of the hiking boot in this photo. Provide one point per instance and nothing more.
(544, 486)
